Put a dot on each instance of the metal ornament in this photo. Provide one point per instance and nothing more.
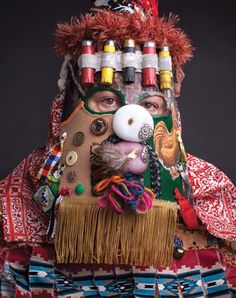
(145, 132)
(99, 126)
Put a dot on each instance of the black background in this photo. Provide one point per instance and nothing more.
(29, 71)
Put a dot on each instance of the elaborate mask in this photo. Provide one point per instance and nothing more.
(121, 153)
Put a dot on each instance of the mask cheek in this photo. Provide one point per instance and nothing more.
(83, 130)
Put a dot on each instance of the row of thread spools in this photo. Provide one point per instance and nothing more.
(150, 61)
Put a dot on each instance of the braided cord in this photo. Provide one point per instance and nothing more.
(155, 171)
(77, 84)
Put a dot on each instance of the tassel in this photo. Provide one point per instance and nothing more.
(186, 210)
(150, 5)
(52, 160)
(87, 233)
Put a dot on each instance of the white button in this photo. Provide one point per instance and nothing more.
(71, 158)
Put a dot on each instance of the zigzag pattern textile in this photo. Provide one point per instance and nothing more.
(31, 272)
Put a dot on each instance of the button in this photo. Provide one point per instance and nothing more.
(79, 189)
(78, 138)
(71, 158)
(71, 176)
(178, 252)
(99, 126)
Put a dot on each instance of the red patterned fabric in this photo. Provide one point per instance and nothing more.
(214, 193)
(215, 198)
(22, 220)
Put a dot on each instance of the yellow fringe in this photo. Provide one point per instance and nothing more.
(88, 234)
(232, 245)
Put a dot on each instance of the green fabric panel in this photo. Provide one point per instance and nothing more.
(54, 188)
(167, 119)
(167, 183)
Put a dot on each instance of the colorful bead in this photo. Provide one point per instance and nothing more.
(79, 189)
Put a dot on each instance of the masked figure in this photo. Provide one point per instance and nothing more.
(113, 206)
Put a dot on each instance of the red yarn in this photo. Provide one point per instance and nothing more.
(154, 7)
(119, 26)
(186, 211)
(65, 191)
(150, 5)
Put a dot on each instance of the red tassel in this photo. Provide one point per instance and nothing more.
(154, 7)
(65, 191)
(186, 211)
(150, 5)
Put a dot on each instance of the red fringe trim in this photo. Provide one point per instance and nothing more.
(119, 26)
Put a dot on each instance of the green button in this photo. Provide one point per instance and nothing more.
(79, 189)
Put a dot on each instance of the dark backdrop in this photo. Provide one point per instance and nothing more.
(29, 71)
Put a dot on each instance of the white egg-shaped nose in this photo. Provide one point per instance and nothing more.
(133, 123)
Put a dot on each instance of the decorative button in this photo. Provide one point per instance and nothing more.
(71, 158)
(145, 132)
(71, 176)
(78, 138)
(178, 252)
(99, 126)
(79, 189)
(178, 248)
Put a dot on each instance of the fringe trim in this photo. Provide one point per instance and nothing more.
(232, 245)
(88, 234)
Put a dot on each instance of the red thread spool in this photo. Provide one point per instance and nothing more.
(87, 72)
(149, 73)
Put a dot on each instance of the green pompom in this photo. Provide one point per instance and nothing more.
(79, 189)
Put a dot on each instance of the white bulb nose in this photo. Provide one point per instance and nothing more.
(133, 123)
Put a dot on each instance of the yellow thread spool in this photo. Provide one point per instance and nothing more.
(107, 72)
(165, 69)
(165, 79)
